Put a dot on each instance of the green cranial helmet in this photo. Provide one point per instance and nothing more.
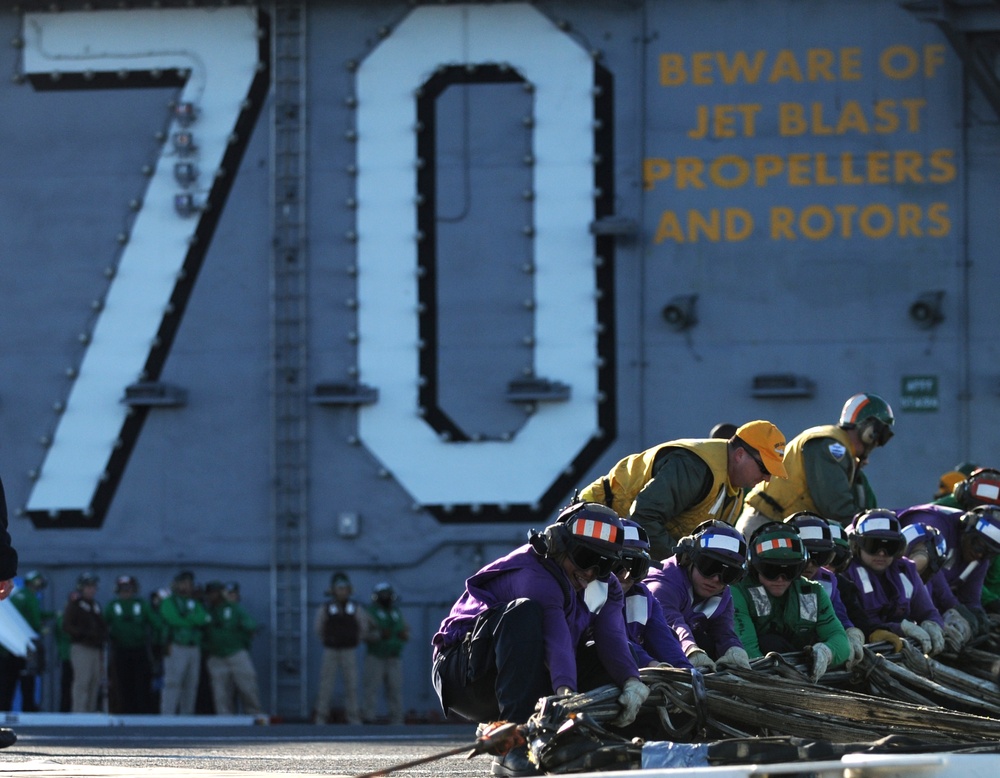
(776, 542)
(871, 416)
(776, 550)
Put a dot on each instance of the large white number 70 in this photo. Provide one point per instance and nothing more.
(219, 52)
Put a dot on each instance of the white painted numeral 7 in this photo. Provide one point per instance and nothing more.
(218, 51)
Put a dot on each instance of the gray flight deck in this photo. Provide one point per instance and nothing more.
(205, 749)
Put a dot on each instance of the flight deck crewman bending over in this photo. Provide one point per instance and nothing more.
(824, 468)
(676, 486)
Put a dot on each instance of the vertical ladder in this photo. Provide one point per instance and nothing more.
(289, 403)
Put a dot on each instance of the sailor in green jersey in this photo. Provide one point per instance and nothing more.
(227, 640)
(185, 617)
(776, 609)
(382, 662)
(133, 625)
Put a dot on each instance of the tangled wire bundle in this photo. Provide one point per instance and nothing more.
(902, 703)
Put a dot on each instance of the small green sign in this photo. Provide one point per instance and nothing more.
(920, 393)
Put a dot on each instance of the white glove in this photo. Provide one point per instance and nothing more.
(822, 656)
(958, 627)
(699, 659)
(917, 633)
(857, 640)
(563, 691)
(634, 694)
(735, 657)
(933, 629)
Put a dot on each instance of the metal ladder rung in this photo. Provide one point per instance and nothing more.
(289, 476)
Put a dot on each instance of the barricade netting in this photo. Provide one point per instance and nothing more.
(892, 702)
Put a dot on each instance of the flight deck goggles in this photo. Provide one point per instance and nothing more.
(882, 432)
(710, 568)
(891, 546)
(821, 556)
(586, 558)
(635, 566)
(774, 571)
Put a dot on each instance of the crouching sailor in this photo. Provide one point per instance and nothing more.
(513, 635)
(776, 609)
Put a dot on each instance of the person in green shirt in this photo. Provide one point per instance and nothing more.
(776, 609)
(132, 625)
(185, 618)
(383, 665)
(227, 642)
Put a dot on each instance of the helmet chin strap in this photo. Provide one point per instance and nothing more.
(866, 448)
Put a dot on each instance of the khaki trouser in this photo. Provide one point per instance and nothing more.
(345, 662)
(232, 675)
(86, 661)
(181, 670)
(388, 671)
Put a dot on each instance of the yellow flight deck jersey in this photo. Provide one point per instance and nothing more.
(781, 497)
(619, 488)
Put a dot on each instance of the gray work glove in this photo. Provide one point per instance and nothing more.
(957, 629)
(735, 657)
(699, 659)
(933, 629)
(983, 624)
(822, 656)
(917, 633)
(977, 618)
(857, 640)
(634, 694)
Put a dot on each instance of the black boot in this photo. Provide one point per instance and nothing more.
(513, 764)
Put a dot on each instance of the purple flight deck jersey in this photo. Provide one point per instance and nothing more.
(523, 574)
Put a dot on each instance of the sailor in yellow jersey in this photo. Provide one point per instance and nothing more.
(672, 488)
(824, 468)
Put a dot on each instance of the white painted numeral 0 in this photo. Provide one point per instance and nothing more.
(435, 471)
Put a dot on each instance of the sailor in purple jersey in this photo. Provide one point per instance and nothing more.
(973, 540)
(652, 640)
(693, 590)
(513, 635)
(889, 600)
(927, 549)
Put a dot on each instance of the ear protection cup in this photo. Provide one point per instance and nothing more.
(539, 543)
(969, 518)
(550, 542)
(686, 551)
(866, 431)
(961, 492)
